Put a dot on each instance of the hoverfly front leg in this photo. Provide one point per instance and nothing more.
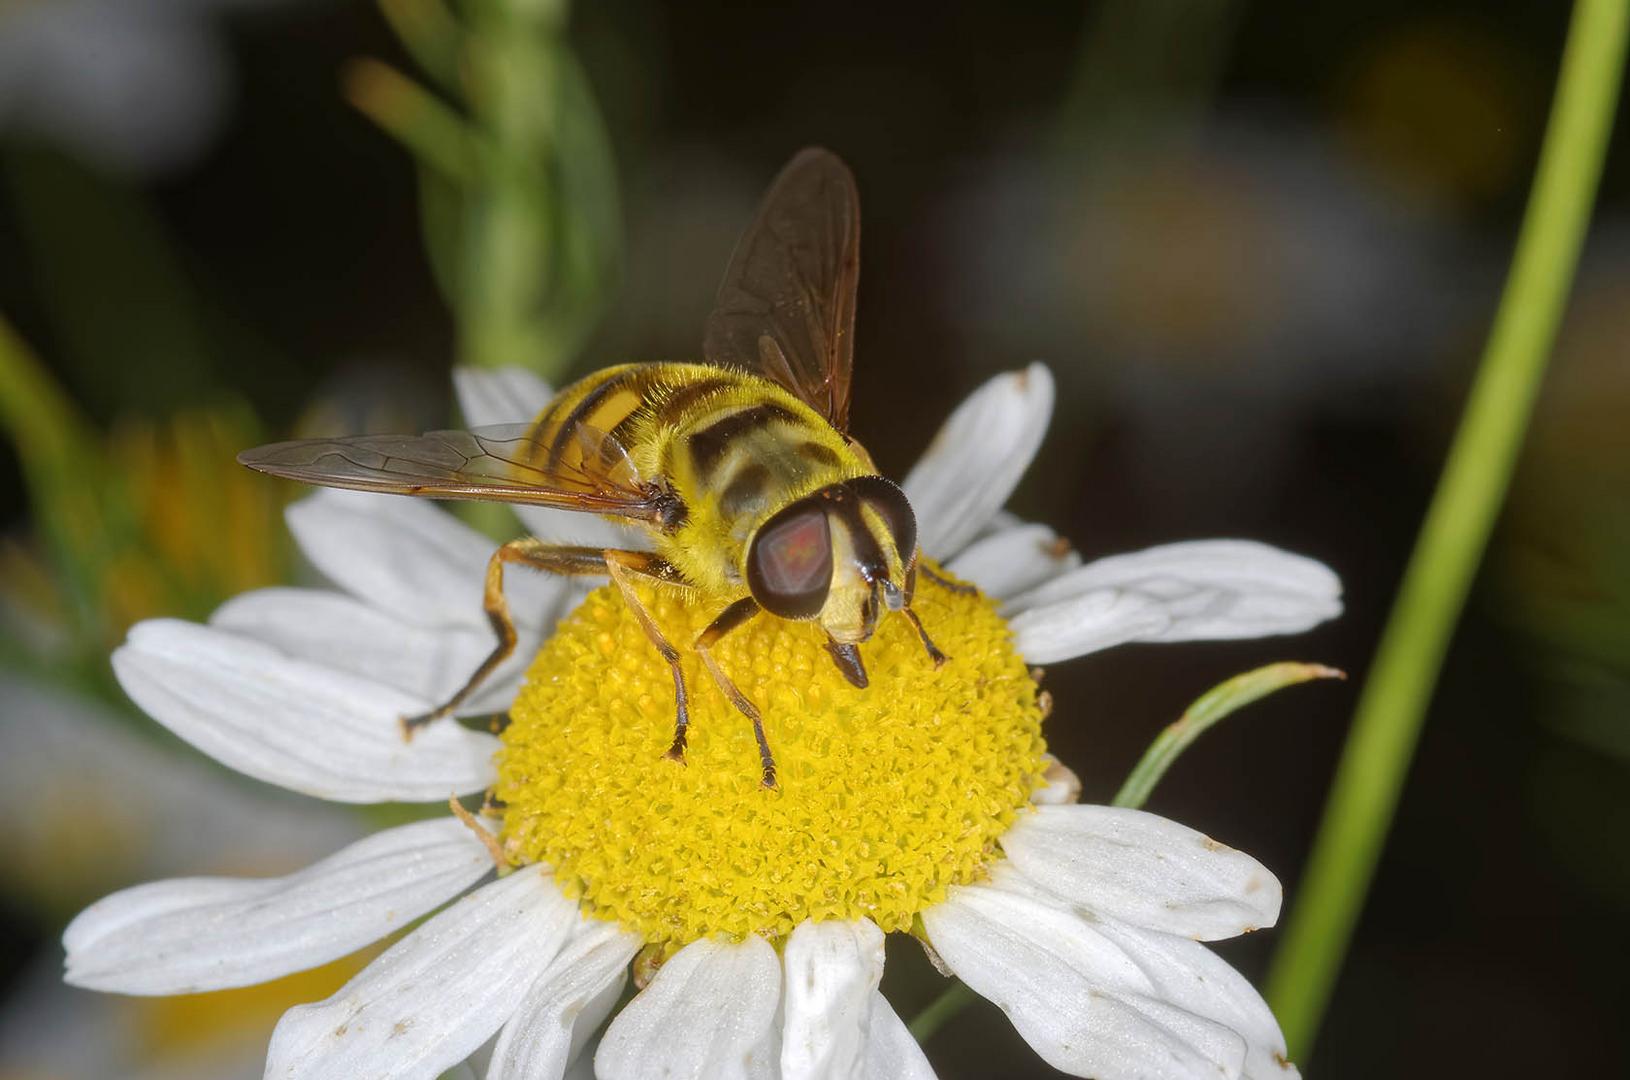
(944, 582)
(730, 618)
(933, 650)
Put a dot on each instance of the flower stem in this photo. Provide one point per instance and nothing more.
(1457, 526)
(951, 1001)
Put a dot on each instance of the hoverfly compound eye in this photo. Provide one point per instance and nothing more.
(885, 497)
(789, 566)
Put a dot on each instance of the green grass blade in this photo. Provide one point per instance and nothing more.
(1457, 526)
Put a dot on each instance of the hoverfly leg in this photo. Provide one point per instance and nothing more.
(730, 618)
(933, 650)
(522, 551)
(849, 664)
(917, 563)
(620, 564)
(946, 583)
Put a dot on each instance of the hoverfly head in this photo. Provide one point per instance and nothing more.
(839, 554)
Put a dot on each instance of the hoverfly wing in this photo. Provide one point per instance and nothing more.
(514, 463)
(786, 307)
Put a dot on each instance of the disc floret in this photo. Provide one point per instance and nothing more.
(888, 795)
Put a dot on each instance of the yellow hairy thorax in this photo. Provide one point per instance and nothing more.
(887, 795)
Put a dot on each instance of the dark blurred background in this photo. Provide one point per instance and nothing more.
(1258, 243)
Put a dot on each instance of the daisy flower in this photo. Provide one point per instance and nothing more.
(753, 920)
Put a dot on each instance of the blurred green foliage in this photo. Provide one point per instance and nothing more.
(518, 189)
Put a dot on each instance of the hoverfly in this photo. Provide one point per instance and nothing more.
(740, 469)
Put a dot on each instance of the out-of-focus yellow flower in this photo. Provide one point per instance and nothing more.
(153, 518)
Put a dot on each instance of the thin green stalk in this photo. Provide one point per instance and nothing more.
(510, 232)
(431, 34)
(951, 1001)
(1455, 533)
(432, 130)
(1197, 719)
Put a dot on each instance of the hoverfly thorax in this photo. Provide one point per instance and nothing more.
(699, 456)
(840, 555)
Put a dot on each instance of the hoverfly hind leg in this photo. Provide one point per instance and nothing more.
(527, 551)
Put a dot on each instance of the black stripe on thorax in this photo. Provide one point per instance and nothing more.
(817, 454)
(746, 492)
(668, 410)
(709, 444)
(586, 406)
(679, 399)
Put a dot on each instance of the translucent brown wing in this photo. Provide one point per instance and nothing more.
(515, 463)
(786, 307)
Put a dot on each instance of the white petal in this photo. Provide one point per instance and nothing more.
(975, 461)
(1194, 978)
(587, 530)
(194, 934)
(341, 632)
(585, 1035)
(565, 1004)
(581, 1069)
(408, 558)
(708, 1014)
(156, 812)
(507, 395)
(1008, 562)
(293, 723)
(892, 1052)
(1074, 995)
(434, 996)
(1210, 590)
(1143, 869)
(832, 970)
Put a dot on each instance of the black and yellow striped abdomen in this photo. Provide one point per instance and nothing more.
(732, 447)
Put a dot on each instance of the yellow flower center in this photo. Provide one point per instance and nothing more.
(888, 795)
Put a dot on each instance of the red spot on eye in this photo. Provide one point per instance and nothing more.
(795, 556)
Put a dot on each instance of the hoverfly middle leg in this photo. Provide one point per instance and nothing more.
(728, 619)
(621, 564)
